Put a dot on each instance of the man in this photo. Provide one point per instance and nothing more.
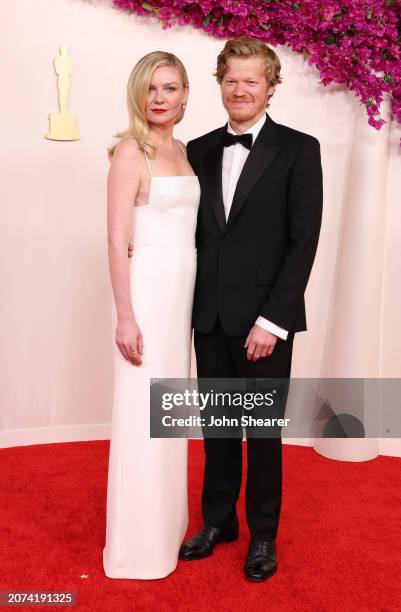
(258, 228)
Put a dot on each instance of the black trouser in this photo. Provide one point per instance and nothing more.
(219, 355)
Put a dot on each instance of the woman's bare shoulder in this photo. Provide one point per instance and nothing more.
(182, 144)
(128, 148)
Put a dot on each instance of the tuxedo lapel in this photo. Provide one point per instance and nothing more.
(213, 174)
(260, 156)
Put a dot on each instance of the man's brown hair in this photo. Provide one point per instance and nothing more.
(249, 47)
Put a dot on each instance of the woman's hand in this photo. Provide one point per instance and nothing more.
(129, 340)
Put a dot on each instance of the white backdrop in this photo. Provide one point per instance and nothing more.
(55, 292)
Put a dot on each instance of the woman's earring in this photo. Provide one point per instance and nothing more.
(184, 105)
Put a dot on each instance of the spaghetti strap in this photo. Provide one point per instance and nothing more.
(147, 161)
(180, 145)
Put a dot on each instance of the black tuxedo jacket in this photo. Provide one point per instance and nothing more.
(259, 262)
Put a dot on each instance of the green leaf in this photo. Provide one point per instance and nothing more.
(207, 19)
(330, 41)
(147, 6)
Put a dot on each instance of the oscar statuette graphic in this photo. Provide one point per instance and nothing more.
(63, 124)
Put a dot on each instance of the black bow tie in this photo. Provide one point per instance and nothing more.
(244, 139)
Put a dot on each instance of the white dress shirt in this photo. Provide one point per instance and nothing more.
(233, 161)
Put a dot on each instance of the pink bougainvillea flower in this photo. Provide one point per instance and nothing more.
(355, 42)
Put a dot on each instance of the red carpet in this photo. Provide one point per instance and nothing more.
(339, 543)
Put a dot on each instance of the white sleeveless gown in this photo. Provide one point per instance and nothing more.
(147, 504)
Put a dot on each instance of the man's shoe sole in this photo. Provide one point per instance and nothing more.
(269, 575)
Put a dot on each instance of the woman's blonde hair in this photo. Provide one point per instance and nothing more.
(137, 91)
(249, 47)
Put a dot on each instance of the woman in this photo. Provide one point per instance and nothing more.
(153, 196)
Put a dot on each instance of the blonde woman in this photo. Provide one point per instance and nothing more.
(153, 197)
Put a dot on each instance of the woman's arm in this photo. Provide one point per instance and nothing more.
(122, 187)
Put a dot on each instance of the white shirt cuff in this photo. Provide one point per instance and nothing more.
(272, 327)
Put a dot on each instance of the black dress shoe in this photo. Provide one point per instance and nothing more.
(261, 562)
(202, 544)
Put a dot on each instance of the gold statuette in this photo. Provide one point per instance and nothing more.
(63, 126)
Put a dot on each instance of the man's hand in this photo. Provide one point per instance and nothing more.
(260, 343)
(130, 248)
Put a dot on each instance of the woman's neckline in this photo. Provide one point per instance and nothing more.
(167, 176)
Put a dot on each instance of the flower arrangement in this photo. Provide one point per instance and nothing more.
(356, 42)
